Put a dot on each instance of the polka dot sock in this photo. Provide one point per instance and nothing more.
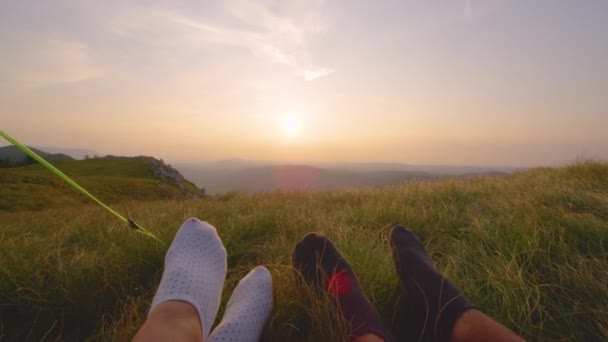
(195, 269)
(433, 304)
(247, 310)
(319, 265)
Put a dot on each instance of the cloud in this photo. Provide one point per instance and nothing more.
(195, 24)
(311, 75)
(278, 37)
(46, 61)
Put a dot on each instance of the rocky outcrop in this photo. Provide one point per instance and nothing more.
(170, 176)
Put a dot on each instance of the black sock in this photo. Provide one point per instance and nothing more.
(432, 304)
(319, 264)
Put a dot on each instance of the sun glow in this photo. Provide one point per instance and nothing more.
(290, 125)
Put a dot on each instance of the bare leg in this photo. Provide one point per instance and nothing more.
(368, 338)
(474, 325)
(171, 321)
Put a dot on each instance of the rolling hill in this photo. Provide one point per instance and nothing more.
(111, 179)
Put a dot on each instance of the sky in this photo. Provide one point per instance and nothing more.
(460, 82)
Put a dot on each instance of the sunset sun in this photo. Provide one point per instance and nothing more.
(290, 125)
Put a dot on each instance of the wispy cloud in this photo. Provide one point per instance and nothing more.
(47, 61)
(311, 75)
(279, 37)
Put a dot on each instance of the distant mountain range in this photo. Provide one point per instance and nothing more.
(256, 176)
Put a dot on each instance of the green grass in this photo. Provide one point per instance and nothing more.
(110, 179)
(530, 250)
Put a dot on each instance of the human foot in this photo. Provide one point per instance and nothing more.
(433, 304)
(319, 264)
(195, 270)
(247, 310)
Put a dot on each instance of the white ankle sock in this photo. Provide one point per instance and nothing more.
(195, 270)
(247, 310)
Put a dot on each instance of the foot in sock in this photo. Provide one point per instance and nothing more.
(247, 310)
(195, 270)
(433, 304)
(319, 264)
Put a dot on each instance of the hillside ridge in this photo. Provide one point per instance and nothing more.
(110, 178)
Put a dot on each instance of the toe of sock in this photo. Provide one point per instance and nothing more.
(409, 254)
(403, 236)
(403, 240)
(198, 235)
(197, 225)
(261, 273)
(259, 279)
(308, 251)
(316, 256)
(312, 241)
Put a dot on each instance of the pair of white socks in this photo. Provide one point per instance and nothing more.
(195, 270)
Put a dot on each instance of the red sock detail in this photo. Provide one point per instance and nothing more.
(338, 283)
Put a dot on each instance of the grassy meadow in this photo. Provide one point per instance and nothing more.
(111, 179)
(530, 249)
